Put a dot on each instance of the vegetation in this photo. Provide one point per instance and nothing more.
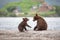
(57, 10)
(25, 6)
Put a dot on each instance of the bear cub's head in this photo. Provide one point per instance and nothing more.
(36, 17)
(25, 19)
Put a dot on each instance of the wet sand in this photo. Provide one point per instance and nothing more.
(29, 35)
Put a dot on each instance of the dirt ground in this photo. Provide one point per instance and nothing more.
(29, 35)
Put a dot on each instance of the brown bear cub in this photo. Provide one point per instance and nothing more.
(41, 23)
(23, 25)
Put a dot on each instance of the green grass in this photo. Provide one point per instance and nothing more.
(25, 6)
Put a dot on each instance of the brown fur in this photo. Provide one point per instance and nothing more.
(23, 25)
(41, 23)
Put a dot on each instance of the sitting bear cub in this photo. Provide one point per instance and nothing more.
(23, 25)
(41, 23)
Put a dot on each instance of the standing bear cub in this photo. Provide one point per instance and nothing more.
(41, 23)
(23, 25)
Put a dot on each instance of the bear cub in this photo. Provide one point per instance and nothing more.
(41, 23)
(23, 25)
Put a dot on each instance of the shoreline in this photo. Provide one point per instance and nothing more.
(29, 35)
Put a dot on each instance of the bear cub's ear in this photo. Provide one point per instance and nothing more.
(36, 14)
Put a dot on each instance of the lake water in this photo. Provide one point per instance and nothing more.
(11, 23)
(53, 2)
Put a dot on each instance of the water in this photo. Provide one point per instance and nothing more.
(50, 2)
(11, 23)
(4, 2)
(53, 2)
